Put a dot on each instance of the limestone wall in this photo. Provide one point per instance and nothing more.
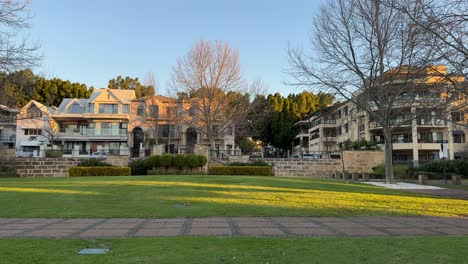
(119, 161)
(43, 167)
(362, 161)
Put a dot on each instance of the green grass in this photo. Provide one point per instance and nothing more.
(155, 196)
(240, 250)
(463, 186)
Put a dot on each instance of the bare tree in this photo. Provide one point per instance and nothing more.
(150, 81)
(372, 55)
(210, 85)
(14, 53)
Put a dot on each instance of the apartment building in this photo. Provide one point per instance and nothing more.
(418, 138)
(167, 122)
(7, 129)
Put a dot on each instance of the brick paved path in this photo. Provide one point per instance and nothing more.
(233, 226)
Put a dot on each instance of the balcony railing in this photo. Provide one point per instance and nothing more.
(432, 141)
(431, 122)
(93, 132)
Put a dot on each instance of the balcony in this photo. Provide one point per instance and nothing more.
(93, 133)
(431, 122)
(7, 138)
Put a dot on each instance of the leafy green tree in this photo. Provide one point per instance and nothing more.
(129, 83)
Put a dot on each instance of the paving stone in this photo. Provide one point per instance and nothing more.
(69, 225)
(9, 233)
(176, 220)
(409, 231)
(163, 225)
(255, 224)
(385, 224)
(7, 220)
(298, 224)
(330, 219)
(41, 221)
(83, 220)
(124, 220)
(210, 219)
(51, 233)
(344, 225)
(157, 232)
(210, 231)
(20, 226)
(261, 232)
(361, 232)
(116, 226)
(311, 231)
(294, 219)
(105, 233)
(454, 231)
(422, 224)
(250, 219)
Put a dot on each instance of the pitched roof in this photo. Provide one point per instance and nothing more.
(124, 96)
(8, 109)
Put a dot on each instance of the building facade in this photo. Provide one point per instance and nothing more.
(428, 132)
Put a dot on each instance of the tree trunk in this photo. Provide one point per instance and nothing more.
(212, 146)
(388, 156)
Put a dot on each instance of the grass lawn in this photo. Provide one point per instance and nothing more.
(155, 196)
(240, 250)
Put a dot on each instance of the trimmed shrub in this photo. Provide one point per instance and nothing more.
(93, 162)
(252, 163)
(399, 171)
(166, 161)
(192, 161)
(179, 161)
(241, 170)
(7, 171)
(153, 162)
(202, 160)
(138, 167)
(99, 171)
(458, 166)
(52, 153)
(163, 172)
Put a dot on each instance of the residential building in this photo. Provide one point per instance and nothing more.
(7, 130)
(34, 128)
(167, 122)
(420, 136)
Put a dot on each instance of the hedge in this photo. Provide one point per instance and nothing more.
(458, 166)
(99, 171)
(49, 153)
(241, 170)
(93, 162)
(400, 172)
(164, 172)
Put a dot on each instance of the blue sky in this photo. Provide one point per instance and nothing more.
(92, 41)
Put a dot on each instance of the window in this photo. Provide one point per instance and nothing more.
(229, 130)
(108, 108)
(32, 132)
(125, 108)
(91, 108)
(345, 111)
(75, 108)
(338, 114)
(164, 131)
(457, 117)
(141, 109)
(34, 112)
(338, 131)
(154, 111)
(346, 128)
(458, 137)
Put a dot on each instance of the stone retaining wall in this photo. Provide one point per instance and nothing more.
(362, 161)
(42, 167)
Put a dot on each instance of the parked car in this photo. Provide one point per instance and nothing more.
(99, 154)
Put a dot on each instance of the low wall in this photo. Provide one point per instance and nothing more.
(119, 161)
(353, 162)
(306, 168)
(43, 167)
(362, 161)
(7, 153)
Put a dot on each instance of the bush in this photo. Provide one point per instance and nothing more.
(166, 161)
(93, 162)
(458, 166)
(52, 153)
(202, 160)
(192, 161)
(399, 171)
(153, 162)
(138, 167)
(7, 171)
(241, 170)
(99, 171)
(179, 161)
(163, 172)
(252, 163)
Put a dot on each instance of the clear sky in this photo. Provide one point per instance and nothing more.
(92, 41)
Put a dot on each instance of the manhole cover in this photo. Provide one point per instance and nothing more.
(182, 205)
(93, 251)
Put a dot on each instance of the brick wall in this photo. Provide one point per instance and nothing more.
(42, 167)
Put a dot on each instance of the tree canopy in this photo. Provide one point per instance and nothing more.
(129, 83)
